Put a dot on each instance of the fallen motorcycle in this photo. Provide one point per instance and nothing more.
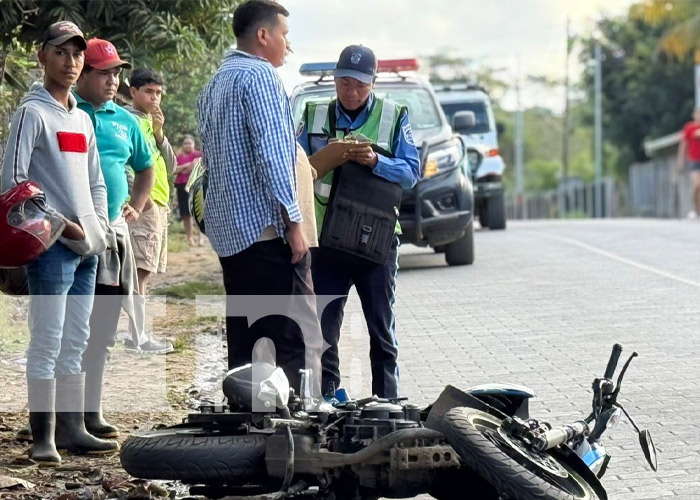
(480, 444)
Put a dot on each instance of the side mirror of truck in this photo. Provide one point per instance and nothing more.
(463, 121)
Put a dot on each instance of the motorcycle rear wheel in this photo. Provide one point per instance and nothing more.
(510, 466)
(195, 455)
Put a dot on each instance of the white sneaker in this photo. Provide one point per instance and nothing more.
(149, 347)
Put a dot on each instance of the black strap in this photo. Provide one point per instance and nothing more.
(332, 119)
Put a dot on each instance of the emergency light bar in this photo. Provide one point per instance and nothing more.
(323, 69)
(319, 69)
(396, 65)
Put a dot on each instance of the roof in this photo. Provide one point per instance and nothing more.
(654, 146)
(459, 87)
(460, 92)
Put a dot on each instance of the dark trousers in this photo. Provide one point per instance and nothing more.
(266, 269)
(334, 273)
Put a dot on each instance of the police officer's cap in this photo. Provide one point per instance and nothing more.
(358, 62)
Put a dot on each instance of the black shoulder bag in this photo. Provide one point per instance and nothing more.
(362, 211)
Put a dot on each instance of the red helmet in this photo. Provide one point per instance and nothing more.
(28, 227)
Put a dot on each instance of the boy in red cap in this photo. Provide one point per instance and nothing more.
(120, 143)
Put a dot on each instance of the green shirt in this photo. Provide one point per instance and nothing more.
(119, 143)
(161, 187)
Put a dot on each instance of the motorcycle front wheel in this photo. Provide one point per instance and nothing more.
(508, 464)
(195, 455)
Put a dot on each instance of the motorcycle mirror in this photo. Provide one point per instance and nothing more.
(648, 448)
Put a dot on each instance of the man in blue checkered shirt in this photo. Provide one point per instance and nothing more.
(252, 211)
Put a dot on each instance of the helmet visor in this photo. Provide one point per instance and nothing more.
(33, 217)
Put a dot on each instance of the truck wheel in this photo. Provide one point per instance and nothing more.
(440, 249)
(461, 252)
(483, 216)
(496, 212)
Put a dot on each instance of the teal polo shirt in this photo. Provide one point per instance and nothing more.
(119, 143)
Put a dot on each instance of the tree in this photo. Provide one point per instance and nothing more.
(446, 67)
(181, 38)
(682, 37)
(643, 96)
(148, 32)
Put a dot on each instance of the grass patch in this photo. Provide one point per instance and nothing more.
(576, 214)
(190, 290)
(14, 333)
(177, 399)
(181, 343)
(176, 227)
(177, 242)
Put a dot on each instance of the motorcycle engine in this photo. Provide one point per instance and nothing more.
(374, 421)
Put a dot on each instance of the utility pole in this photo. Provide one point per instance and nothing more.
(564, 193)
(598, 130)
(519, 145)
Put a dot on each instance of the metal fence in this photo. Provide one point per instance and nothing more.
(656, 190)
(576, 199)
(653, 189)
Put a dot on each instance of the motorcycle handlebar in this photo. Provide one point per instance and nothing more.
(612, 362)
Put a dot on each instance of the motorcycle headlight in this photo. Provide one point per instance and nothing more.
(443, 157)
(614, 419)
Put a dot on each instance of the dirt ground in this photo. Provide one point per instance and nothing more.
(141, 392)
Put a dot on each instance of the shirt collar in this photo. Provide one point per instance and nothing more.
(361, 118)
(108, 106)
(237, 52)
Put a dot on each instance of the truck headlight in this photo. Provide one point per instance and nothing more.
(474, 159)
(443, 157)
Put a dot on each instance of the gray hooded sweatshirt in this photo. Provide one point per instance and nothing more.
(55, 147)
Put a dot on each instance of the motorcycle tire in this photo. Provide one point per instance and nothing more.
(510, 466)
(195, 455)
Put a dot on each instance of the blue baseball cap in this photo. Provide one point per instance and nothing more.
(358, 62)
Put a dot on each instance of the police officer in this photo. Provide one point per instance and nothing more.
(359, 111)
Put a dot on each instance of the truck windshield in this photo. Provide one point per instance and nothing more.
(422, 111)
(480, 111)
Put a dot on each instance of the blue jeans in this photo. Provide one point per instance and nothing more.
(62, 287)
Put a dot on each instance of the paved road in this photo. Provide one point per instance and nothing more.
(542, 306)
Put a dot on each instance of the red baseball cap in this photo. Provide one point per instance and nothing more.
(101, 54)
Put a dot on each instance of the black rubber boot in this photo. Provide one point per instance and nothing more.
(94, 421)
(42, 419)
(25, 434)
(70, 424)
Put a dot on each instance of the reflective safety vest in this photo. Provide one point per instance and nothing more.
(380, 128)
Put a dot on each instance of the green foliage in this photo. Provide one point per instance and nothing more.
(19, 66)
(542, 146)
(183, 39)
(182, 87)
(147, 32)
(177, 243)
(542, 175)
(683, 35)
(645, 95)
